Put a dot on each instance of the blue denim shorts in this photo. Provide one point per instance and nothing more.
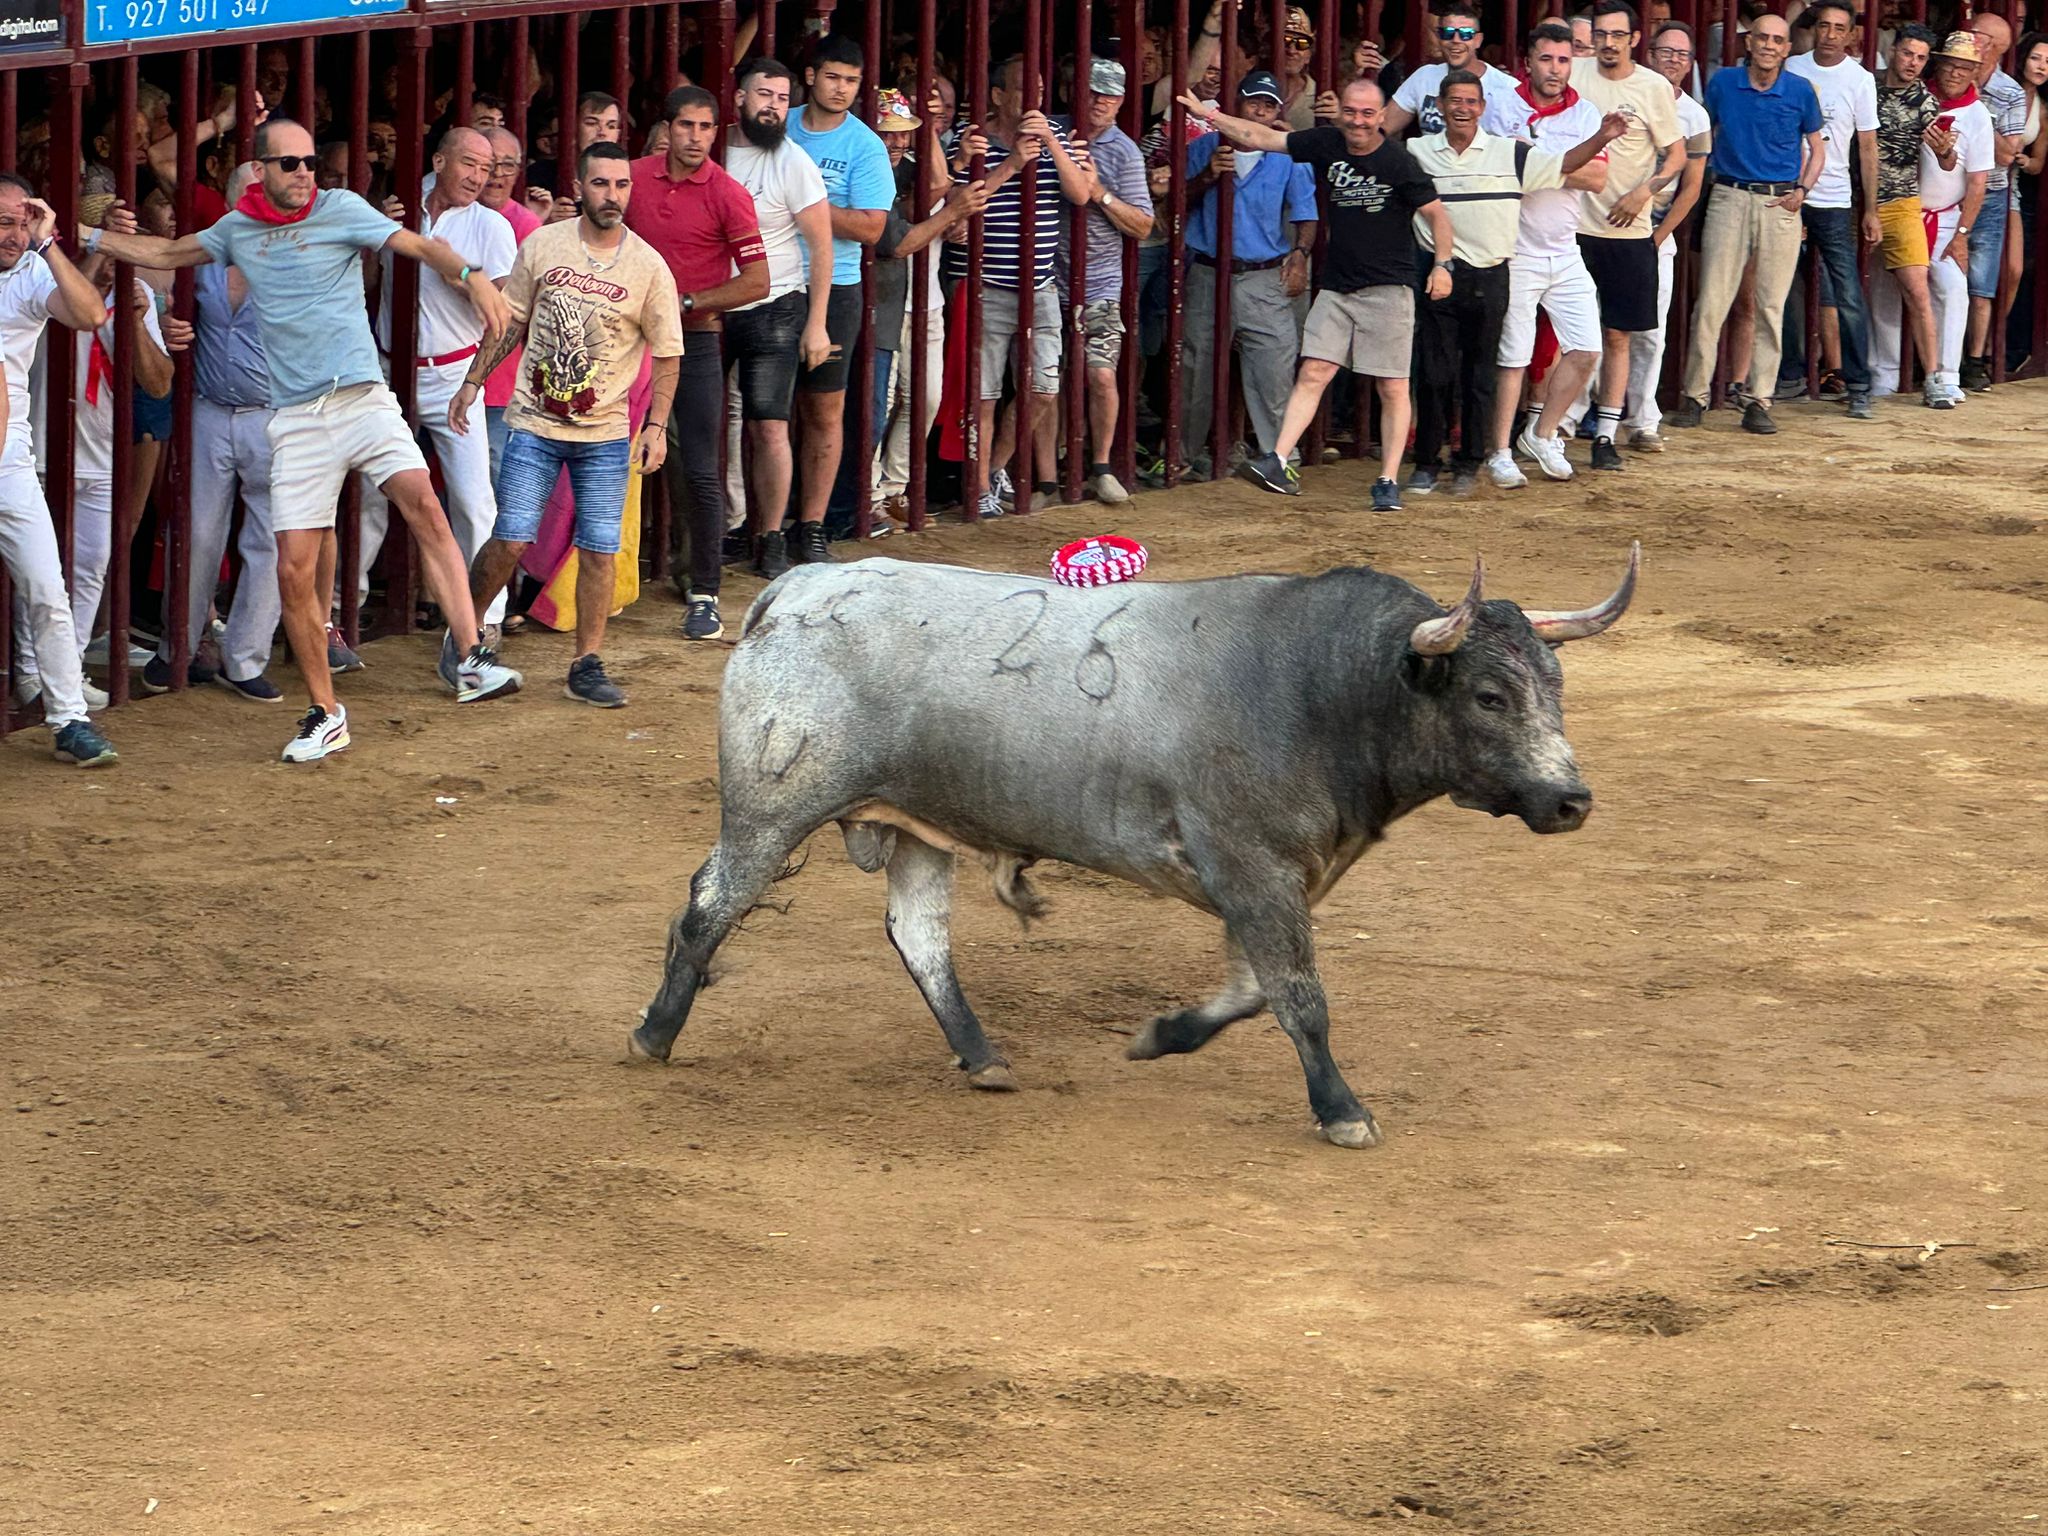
(597, 480)
(1987, 244)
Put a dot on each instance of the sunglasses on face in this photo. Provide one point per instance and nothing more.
(1674, 54)
(290, 163)
(1457, 34)
(1296, 43)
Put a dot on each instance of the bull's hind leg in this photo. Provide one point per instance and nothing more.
(721, 892)
(1173, 1034)
(920, 926)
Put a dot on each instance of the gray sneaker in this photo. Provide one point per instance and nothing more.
(1862, 408)
(1109, 490)
(482, 676)
(588, 684)
(1421, 481)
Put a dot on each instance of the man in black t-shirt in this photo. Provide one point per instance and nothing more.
(1364, 314)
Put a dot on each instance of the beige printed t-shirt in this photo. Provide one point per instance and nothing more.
(590, 317)
(1645, 98)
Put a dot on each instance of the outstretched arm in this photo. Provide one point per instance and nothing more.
(1241, 131)
(442, 258)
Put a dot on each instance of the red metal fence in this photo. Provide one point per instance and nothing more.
(424, 61)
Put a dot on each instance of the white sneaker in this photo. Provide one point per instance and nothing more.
(1953, 383)
(320, 735)
(999, 484)
(1646, 440)
(482, 676)
(1504, 472)
(26, 693)
(1548, 452)
(1110, 490)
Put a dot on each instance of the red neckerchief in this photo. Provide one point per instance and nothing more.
(98, 366)
(1966, 99)
(1536, 113)
(259, 207)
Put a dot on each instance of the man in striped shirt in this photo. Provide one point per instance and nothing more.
(1027, 144)
(1480, 179)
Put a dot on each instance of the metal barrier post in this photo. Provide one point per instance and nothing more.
(178, 528)
(115, 595)
(1074, 377)
(1226, 232)
(974, 475)
(1124, 457)
(921, 269)
(858, 440)
(1176, 271)
(1031, 94)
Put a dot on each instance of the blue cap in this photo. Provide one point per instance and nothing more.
(1260, 82)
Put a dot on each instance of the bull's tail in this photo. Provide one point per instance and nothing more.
(1013, 889)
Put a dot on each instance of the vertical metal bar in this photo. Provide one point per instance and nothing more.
(1031, 92)
(517, 93)
(414, 48)
(1081, 98)
(115, 596)
(465, 73)
(245, 92)
(1130, 37)
(622, 74)
(10, 117)
(921, 268)
(304, 80)
(2037, 363)
(1226, 232)
(974, 469)
(859, 437)
(67, 121)
(348, 522)
(668, 48)
(1326, 79)
(764, 36)
(1729, 15)
(178, 526)
(568, 88)
(1177, 224)
(719, 67)
(1364, 397)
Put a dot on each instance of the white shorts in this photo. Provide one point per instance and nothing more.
(315, 447)
(1564, 289)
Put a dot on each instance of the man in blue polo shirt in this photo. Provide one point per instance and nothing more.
(1769, 150)
(1272, 231)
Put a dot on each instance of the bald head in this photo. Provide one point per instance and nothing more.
(1993, 38)
(462, 167)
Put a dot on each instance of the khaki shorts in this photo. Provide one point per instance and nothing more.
(999, 331)
(1371, 332)
(315, 447)
(1905, 235)
(1102, 327)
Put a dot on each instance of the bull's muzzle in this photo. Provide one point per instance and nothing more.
(1562, 809)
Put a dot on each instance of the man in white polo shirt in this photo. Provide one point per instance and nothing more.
(449, 334)
(1481, 181)
(1417, 100)
(1546, 271)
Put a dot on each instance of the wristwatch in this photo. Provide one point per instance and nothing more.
(1962, 229)
(1447, 265)
(1108, 201)
(689, 303)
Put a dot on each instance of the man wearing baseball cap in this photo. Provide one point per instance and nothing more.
(1272, 231)
(1297, 85)
(1119, 209)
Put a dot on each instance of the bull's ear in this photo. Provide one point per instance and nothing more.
(1426, 674)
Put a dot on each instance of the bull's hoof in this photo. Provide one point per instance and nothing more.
(996, 1077)
(647, 1046)
(1146, 1044)
(1352, 1133)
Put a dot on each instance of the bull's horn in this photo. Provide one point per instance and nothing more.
(1559, 627)
(1440, 637)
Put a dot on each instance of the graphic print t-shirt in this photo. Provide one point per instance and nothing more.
(1904, 114)
(588, 323)
(1372, 198)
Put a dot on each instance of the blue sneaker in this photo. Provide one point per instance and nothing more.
(156, 674)
(257, 690)
(450, 664)
(341, 656)
(1270, 473)
(80, 742)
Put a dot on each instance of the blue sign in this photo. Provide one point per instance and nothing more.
(125, 21)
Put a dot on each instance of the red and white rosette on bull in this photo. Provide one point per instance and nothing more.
(1099, 561)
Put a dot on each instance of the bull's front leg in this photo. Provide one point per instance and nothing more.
(1174, 1034)
(1271, 928)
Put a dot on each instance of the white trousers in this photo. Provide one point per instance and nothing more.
(465, 461)
(1949, 285)
(231, 448)
(92, 547)
(42, 606)
(1646, 350)
(892, 459)
(736, 455)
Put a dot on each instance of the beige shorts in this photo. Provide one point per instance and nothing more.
(315, 447)
(999, 331)
(1102, 326)
(1371, 332)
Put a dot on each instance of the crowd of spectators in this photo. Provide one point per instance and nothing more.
(1495, 250)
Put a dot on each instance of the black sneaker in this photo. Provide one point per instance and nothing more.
(1270, 472)
(812, 547)
(80, 742)
(700, 619)
(1976, 374)
(1421, 480)
(1756, 417)
(1465, 482)
(1687, 413)
(1605, 454)
(737, 548)
(341, 656)
(771, 556)
(588, 684)
(1386, 496)
(156, 674)
(257, 690)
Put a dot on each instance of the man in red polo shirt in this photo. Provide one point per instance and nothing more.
(702, 222)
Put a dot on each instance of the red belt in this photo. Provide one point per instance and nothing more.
(447, 357)
(1930, 220)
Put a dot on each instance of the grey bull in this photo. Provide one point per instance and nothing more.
(1235, 743)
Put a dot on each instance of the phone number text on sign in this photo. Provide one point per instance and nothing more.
(123, 21)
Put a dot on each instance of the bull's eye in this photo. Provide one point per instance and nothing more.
(1488, 699)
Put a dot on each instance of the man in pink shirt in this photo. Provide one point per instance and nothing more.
(508, 158)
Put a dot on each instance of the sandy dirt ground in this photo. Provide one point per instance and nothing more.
(332, 1204)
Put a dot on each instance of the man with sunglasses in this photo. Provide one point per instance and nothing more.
(1297, 85)
(1615, 234)
(301, 253)
(1458, 35)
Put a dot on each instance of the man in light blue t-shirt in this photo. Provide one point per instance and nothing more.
(333, 415)
(860, 188)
